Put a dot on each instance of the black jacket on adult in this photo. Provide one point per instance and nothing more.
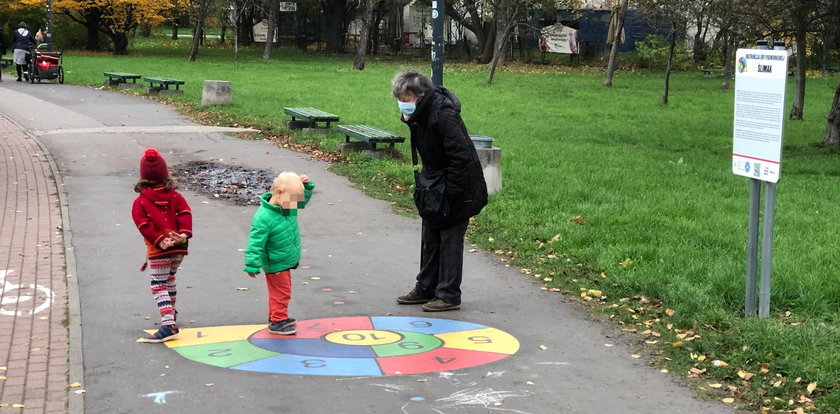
(22, 40)
(441, 139)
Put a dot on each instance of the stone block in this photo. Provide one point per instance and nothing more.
(129, 85)
(170, 92)
(153, 90)
(216, 92)
(316, 130)
(353, 146)
(292, 125)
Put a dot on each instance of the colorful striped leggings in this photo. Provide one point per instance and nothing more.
(162, 272)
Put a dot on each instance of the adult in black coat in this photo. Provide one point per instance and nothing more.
(2, 50)
(433, 115)
(22, 41)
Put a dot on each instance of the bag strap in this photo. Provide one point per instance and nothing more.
(413, 151)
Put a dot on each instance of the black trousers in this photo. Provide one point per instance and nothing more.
(442, 261)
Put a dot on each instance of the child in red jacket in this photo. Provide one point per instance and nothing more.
(165, 221)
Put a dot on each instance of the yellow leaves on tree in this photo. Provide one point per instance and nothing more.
(122, 15)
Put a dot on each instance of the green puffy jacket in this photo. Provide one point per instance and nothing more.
(274, 243)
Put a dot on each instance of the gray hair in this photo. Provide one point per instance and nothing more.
(410, 82)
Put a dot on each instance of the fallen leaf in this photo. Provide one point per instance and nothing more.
(745, 375)
(635, 356)
(243, 288)
(578, 219)
(543, 347)
(2, 377)
(529, 383)
(728, 400)
(596, 293)
(626, 263)
(75, 385)
(811, 387)
(715, 385)
(490, 239)
(663, 370)
(670, 312)
(777, 384)
(608, 345)
(676, 344)
(423, 380)
(209, 384)
(719, 363)
(205, 202)
(17, 405)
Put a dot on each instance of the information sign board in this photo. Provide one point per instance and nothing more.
(760, 82)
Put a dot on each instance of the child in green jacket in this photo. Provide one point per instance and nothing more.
(274, 245)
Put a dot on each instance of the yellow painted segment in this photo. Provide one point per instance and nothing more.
(211, 335)
(487, 340)
(363, 337)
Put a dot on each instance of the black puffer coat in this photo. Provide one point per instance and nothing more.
(443, 143)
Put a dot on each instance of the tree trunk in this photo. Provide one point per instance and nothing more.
(93, 19)
(500, 51)
(488, 50)
(502, 15)
(120, 43)
(146, 30)
(613, 62)
(273, 11)
(175, 15)
(200, 14)
(699, 53)
(730, 50)
(334, 22)
(832, 131)
(798, 104)
(224, 33)
(671, 48)
(361, 48)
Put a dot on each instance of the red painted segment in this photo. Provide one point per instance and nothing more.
(441, 359)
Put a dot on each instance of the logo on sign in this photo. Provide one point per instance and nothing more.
(747, 166)
(742, 65)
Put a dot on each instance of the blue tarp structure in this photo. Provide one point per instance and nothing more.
(594, 26)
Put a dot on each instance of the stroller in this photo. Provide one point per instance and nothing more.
(44, 65)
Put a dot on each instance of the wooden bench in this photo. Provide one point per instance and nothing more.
(310, 116)
(369, 134)
(711, 72)
(6, 62)
(163, 83)
(115, 78)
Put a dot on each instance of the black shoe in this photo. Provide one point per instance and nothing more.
(438, 305)
(283, 327)
(415, 297)
(19, 80)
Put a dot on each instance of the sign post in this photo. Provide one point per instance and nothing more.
(760, 84)
(437, 42)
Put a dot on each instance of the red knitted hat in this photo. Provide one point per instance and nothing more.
(153, 166)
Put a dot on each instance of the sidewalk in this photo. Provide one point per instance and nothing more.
(33, 343)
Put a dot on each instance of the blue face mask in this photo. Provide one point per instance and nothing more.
(407, 107)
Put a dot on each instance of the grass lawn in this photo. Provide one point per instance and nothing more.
(607, 194)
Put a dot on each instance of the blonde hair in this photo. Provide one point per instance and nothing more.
(284, 178)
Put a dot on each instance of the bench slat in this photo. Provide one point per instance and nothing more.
(369, 134)
(310, 114)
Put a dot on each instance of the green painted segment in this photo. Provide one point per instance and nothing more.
(224, 354)
(412, 343)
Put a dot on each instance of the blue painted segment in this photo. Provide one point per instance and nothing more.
(313, 347)
(417, 399)
(307, 365)
(429, 326)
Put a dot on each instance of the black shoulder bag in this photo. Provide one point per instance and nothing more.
(429, 191)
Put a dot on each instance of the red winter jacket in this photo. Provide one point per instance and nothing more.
(158, 212)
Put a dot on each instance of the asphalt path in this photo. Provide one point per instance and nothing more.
(358, 256)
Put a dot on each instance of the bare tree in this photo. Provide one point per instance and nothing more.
(619, 13)
(201, 8)
(832, 130)
(273, 12)
(511, 17)
(366, 9)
